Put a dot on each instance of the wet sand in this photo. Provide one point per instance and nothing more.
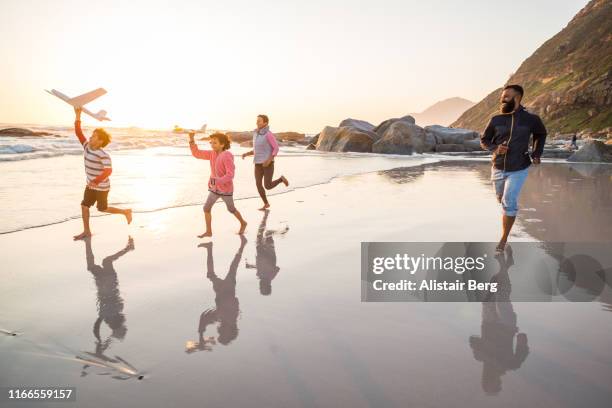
(277, 320)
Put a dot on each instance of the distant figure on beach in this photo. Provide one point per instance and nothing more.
(220, 183)
(265, 148)
(109, 301)
(227, 307)
(507, 135)
(574, 139)
(265, 259)
(495, 347)
(98, 168)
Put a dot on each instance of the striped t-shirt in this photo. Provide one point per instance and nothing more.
(96, 161)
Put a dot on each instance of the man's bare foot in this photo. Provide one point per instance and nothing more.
(82, 235)
(265, 207)
(128, 215)
(243, 226)
(285, 181)
(500, 247)
(206, 234)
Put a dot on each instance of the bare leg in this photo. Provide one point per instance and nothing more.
(507, 223)
(113, 210)
(285, 181)
(86, 231)
(208, 219)
(243, 223)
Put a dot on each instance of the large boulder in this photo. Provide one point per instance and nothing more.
(240, 137)
(21, 132)
(593, 151)
(344, 139)
(290, 136)
(382, 128)
(472, 145)
(361, 125)
(446, 135)
(450, 147)
(403, 137)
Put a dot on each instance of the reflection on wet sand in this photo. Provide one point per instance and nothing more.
(227, 308)
(110, 311)
(495, 345)
(265, 259)
(565, 202)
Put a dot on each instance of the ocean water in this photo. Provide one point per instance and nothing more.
(42, 178)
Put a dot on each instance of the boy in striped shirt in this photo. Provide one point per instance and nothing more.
(98, 168)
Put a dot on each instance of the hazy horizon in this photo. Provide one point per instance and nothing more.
(189, 62)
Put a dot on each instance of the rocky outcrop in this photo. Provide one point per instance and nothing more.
(403, 137)
(382, 128)
(240, 137)
(313, 142)
(290, 136)
(21, 132)
(344, 139)
(446, 135)
(593, 151)
(352, 135)
(357, 124)
(395, 136)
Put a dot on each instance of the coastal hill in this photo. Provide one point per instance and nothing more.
(567, 80)
(443, 112)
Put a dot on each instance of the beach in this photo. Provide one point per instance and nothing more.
(119, 317)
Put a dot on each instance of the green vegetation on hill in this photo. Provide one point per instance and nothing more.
(567, 81)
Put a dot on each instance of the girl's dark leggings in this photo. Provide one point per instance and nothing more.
(263, 180)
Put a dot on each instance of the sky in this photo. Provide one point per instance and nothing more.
(306, 64)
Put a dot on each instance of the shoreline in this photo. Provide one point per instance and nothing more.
(436, 161)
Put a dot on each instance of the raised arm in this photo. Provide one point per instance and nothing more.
(77, 126)
(195, 151)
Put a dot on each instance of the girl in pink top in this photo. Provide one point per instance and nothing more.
(220, 183)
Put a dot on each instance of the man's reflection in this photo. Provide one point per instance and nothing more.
(265, 259)
(227, 308)
(109, 300)
(495, 345)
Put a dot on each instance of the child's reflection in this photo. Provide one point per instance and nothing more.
(226, 309)
(109, 300)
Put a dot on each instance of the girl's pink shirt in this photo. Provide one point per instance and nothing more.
(221, 169)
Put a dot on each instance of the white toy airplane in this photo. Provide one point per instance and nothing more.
(178, 129)
(81, 100)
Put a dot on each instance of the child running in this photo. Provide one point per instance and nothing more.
(220, 184)
(97, 169)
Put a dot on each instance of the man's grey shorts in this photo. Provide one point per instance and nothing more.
(212, 199)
